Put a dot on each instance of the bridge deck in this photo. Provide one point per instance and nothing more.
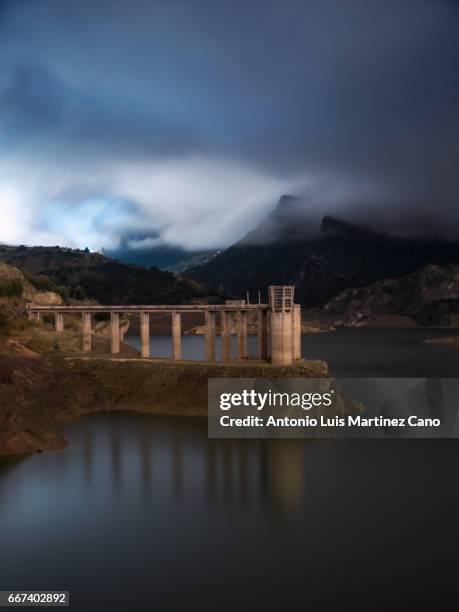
(146, 308)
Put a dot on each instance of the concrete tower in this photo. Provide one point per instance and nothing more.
(281, 314)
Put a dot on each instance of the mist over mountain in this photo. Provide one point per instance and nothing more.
(192, 118)
(292, 219)
(321, 260)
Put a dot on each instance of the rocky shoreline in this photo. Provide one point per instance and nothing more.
(45, 380)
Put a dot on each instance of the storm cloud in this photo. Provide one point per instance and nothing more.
(182, 122)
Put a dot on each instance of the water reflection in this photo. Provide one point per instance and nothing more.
(177, 460)
(146, 455)
(156, 451)
(285, 465)
(87, 450)
(150, 506)
(115, 450)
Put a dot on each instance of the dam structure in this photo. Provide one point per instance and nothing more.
(278, 325)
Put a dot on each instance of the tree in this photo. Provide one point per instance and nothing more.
(79, 293)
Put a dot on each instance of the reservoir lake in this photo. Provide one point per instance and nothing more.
(144, 512)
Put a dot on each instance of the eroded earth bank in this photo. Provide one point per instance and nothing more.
(45, 379)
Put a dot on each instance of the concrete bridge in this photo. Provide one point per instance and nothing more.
(278, 325)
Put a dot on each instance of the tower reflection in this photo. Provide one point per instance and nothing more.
(115, 450)
(232, 471)
(146, 455)
(87, 451)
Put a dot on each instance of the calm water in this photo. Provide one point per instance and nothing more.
(145, 513)
(192, 346)
(349, 352)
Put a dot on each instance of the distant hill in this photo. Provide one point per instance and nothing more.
(320, 261)
(95, 276)
(428, 296)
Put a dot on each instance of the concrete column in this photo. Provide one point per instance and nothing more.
(281, 337)
(59, 321)
(210, 335)
(36, 316)
(242, 334)
(296, 331)
(115, 332)
(262, 334)
(176, 335)
(287, 339)
(145, 334)
(225, 336)
(30, 315)
(87, 344)
(276, 338)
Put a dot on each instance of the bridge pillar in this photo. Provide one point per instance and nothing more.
(115, 332)
(210, 335)
(86, 326)
(262, 334)
(242, 334)
(145, 334)
(59, 321)
(176, 335)
(296, 331)
(225, 336)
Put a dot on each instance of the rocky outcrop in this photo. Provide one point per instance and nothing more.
(13, 284)
(429, 296)
(42, 297)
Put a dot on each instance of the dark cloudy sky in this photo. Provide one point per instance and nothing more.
(181, 122)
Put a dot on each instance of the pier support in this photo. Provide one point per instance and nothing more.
(225, 336)
(262, 334)
(176, 335)
(115, 332)
(86, 326)
(145, 334)
(296, 331)
(210, 335)
(59, 321)
(242, 334)
(278, 325)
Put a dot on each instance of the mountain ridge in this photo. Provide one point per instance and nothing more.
(340, 255)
